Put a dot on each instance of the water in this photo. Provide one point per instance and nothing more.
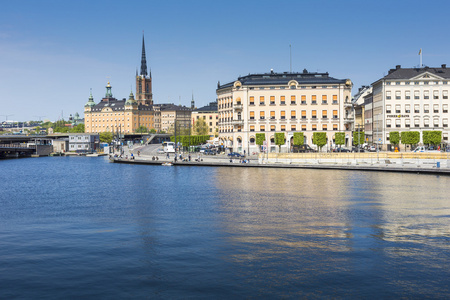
(80, 227)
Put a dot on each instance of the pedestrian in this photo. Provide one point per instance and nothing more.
(189, 156)
(139, 153)
(168, 157)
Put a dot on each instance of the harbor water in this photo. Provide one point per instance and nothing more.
(84, 228)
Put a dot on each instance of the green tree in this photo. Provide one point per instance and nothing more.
(106, 137)
(260, 138)
(433, 137)
(320, 139)
(153, 130)
(394, 137)
(141, 129)
(78, 129)
(358, 138)
(410, 138)
(61, 129)
(280, 139)
(298, 138)
(200, 127)
(339, 138)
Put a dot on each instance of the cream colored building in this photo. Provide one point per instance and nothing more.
(210, 115)
(283, 102)
(413, 99)
(169, 113)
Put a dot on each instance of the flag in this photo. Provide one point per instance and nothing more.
(420, 51)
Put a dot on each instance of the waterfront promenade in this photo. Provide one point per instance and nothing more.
(422, 163)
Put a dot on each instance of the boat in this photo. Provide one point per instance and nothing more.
(167, 164)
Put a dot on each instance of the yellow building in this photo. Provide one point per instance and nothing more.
(208, 114)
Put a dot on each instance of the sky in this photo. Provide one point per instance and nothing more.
(53, 52)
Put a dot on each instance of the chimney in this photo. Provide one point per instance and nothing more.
(444, 66)
(398, 67)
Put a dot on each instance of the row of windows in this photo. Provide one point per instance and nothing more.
(314, 127)
(407, 123)
(293, 115)
(204, 117)
(416, 82)
(426, 95)
(407, 109)
(293, 100)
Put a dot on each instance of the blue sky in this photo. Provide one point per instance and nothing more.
(53, 52)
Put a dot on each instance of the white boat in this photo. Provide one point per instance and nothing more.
(166, 164)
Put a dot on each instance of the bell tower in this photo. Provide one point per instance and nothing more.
(144, 95)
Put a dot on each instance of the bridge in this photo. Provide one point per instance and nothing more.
(24, 145)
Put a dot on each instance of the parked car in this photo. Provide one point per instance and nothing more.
(372, 149)
(210, 152)
(302, 149)
(357, 149)
(341, 150)
(426, 149)
(160, 151)
(234, 154)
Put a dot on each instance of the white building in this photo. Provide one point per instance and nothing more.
(413, 99)
(283, 102)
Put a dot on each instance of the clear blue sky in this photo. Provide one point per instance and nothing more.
(53, 52)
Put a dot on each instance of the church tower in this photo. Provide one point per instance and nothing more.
(144, 95)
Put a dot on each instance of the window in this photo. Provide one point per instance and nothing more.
(283, 115)
(293, 128)
(416, 108)
(388, 83)
(426, 108)
(252, 127)
(335, 127)
(335, 99)
(335, 114)
(397, 95)
(293, 116)
(416, 83)
(407, 83)
(283, 127)
(397, 83)
(282, 100)
(388, 123)
(314, 99)
(435, 94)
(324, 99)
(262, 128)
(272, 100)
(252, 115)
(445, 122)
(416, 95)
(436, 108)
(397, 123)
(303, 114)
(324, 114)
(407, 123)
(252, 100)
(445, 108)
(426, 122)
(314, 114)
(444, 94)
(416, 123)
(293, 99)
(303, 127)
(261, 100)
(272, 115)
(436, 122)
(272, 127)
(407, 108)
(303, 99)
(397, 108)
(314, 127)
(324, 127)
(408, 95)
(426, 94)
(388, 95)
(388, 108)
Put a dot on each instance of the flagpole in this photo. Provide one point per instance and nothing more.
(420, 55)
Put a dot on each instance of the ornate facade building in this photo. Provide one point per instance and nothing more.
(283, 102)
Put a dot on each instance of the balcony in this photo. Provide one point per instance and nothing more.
(237, 122)
(349, 120)
(348, 104)
(237, 106)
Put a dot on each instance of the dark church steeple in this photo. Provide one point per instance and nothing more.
(143, 60)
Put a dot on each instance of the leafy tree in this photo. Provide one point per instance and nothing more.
(339, 138)
(106, 137)
(298, 138)
(410, 138)
(394, 137)
(433, 137)
(78, 129)
(141, 129)
(153, 130)
(358, 138)
(61, 129)
(260, 138)
(280, 139)
(320, 139)
(200, 127)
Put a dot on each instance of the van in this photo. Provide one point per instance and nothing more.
(302, 149)
(426, 149)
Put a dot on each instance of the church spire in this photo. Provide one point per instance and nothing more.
(143, 60)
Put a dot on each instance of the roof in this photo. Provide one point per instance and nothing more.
(273, 78)
(115, 104)
(211, 107)
(408, 73)
(171, 106)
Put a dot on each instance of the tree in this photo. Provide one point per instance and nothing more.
(298, 138)
(260, 138)
(394, 137)
(153, 130)
(141, 129)
(200, 127)
(410, 138)
(61, 129)
(432, 137)
(358, 138)
(339, 138)
(280, 139)
(78, 129)
(320, 139)
(106, 137)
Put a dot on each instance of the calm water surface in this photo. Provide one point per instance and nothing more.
(80, 227)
